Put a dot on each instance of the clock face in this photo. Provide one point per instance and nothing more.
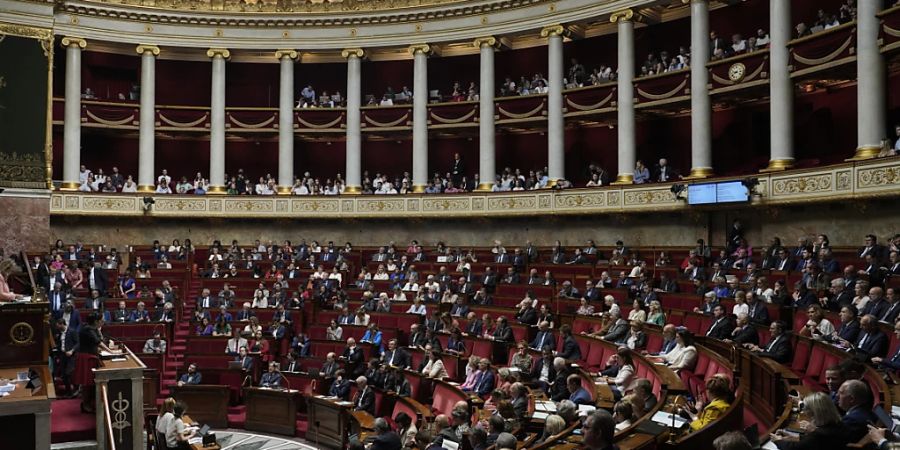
(736, 72)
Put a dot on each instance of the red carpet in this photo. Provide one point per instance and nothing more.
(68, 423)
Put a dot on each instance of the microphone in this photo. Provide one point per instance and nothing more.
(286, 381)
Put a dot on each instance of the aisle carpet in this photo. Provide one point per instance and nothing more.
(68, 423)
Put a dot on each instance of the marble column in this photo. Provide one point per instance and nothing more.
(217, 121)
(487, 163)
(871, 78)
(625, 92)
(354, 102)
(286, 121)
(72, 117)
(781, 88)
(701, 108)
(147, 132)
(556, 163)
(420, 116)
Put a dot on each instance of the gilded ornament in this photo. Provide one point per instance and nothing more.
(222, 52)
(419, 48)
(147, 48)
(21, 333)
(737, 71)
(70, 41)
(552, 30)
(625, 15)
(357, 52)
(490, 41)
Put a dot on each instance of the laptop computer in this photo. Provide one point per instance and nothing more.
(885, 418)
(234, 365)
(204, 430)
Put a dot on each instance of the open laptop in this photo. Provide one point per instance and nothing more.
(234, 365)
(885, 419)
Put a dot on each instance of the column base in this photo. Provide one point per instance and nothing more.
(418, 188)
(866, 152)
(352, 190)
(699, 173)
(623, 178)
(485, 187)
(146, 188)
(284, 190)
(216, 190)
(777, 165)
(68, 186)
(551, 183)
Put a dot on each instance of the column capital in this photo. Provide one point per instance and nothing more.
(357, 52)
(489, 41)
(147, 48)
(223, 52)
(290, 53)
(419, 48)
(553, 30)
(70, 41)
(625, 15)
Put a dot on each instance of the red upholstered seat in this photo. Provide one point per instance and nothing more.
(801, 355)
(692, 323)
(595, 360)
(482, 349)
(654, 343)
(800, 319)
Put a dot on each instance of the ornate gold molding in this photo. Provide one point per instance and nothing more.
(290, 53)
(487, 40)
(357, 52)
(625, 15)
(70, 41)
(223, 52)
(419, 48)
(25, 31)
(147, 48)
(553, 30)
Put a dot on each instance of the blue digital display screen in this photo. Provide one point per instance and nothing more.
(724, 192)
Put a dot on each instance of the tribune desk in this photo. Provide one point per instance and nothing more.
(272, 410)
(190, 422)
(329, 422)
(122, 376)
(25, 414)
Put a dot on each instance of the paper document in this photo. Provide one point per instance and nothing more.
(665, 419)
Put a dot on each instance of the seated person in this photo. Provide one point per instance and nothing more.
(825, 429)
(155, 344)
(578, 394)
(272, 378)
(779, 346)
(340, 387)
(365, 397)
(718, 393)
(191, 377)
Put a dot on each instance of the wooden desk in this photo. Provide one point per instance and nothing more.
(329, 422)
(25, 415)
(271, 410)
(208, 403)
(190, 422)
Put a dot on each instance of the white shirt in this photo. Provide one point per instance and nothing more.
(413, 309)
(163, 190)
(164, 179)
(740, 308)
(129, 187)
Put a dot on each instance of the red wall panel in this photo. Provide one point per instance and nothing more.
(322, 76)
(253, 84)
(391, 157)
(184, 82)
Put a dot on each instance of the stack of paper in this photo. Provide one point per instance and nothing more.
(665, 419)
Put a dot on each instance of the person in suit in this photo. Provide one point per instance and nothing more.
(669, 341)
(416, 336)
(473, 325)
(365, 396)
(828, 431)
(205, 300)
(385, 438)
(855, 398)
(577, 393)
(779, 346)
(519, 399)
(543, 337)
(290, 364)
(571, 351)
(395, 356)
(457, 169)
(848, 331)
(871, 341)
(721, 327)
(245, 359)
(330, 367)
(872, 247)
(121, 314)
(191, 377)
(891, 362)
(272, 378)
(542, 372)
(57, 298)
(743, 332)
(618, 331)
(503, 333)
(353, 359)
(757, 313)
(485, 383)
(66, 340)
(459, 309)
(877, 304)
(511, 277)
(527, 314)
(893, 308)
(340, 387)
(97, 278)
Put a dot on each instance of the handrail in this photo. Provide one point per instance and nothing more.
(107, 419)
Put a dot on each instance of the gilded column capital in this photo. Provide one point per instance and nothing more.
(223, 52)
(625, 15)
(70, 41)
(419, 48)
(490, 41)
(357, 52)
(290, 53)
(147, 48)
(552, 30)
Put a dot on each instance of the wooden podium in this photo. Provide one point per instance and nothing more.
(271, 410)
(329, 422)
(119, 382)
(24, 345)
(207, 403)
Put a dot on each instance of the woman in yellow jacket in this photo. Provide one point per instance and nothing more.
(718, 391)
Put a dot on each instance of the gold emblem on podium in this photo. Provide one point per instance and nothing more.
(21, 334)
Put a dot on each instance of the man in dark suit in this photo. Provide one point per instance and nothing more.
(783, 262)
(365, 397)
(191, 377)
(66, 345)
(558, 389)
(331, 367)
(503, 333)
(571, 351)
(618, 332)
(855, 397)
(489, 282)
(485, 383)
(396, 356)
(871, 341)
(385, 439)
(872, 247)
(57, 298)
(459, 309)
(721, 327)
(743, 333)
(527, 315)
(97, 278)
(543, 372)
(473, 325)
(877, 304)
(849, 329)
(457, 169)
(779, 346)
(95, 302)
(591, 294)
(340, 387)
(757, 312)
(121, 314)
(893, 309)
(893, 361)
(544, 337)
(512, 277)
(353, 359)
(534, 277)
(205, 300)
(662, 173)
(519, 399)
(416, 336)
